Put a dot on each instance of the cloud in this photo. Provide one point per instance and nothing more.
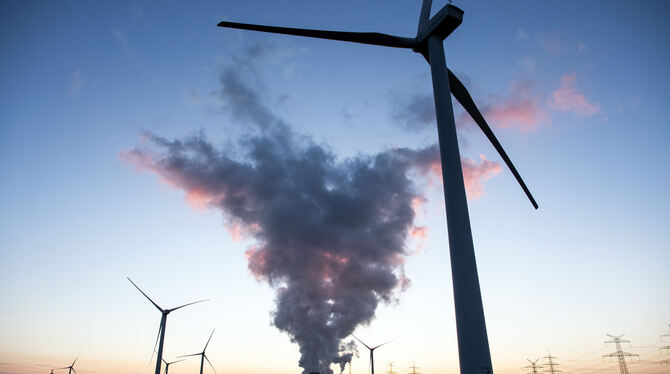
(121, 38)
(520, 109)
(476, 173)
(567, 98)
(77, 82)
(413, 112)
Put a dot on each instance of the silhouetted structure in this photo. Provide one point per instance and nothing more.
(161, 330)
(473, 346)
(70, 368)
(665, 349)
(620, 354)
(390, 371)
(372, 350)
(413, 367)
(551, 364)
(167, 364)
(533, 366)
(202, 355)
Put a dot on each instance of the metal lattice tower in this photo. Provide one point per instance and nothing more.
(413, 367)
(533, 366)
(551, 364)
(665, 349)
(619, 354)
(391, 369)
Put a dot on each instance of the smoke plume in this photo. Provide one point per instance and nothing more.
(328, 235)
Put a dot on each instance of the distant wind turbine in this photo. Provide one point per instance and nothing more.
(70, 368)
(202, 355)
(473, 345)
(161, 330)
(167, 364)
(372, 357)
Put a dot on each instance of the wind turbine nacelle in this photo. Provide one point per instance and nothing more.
(442, 24)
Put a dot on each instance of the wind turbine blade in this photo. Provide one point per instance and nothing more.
(373, 38)
(181, 306)
(77, 358)
(424, 16)
(382, 344)
(463, 96)
(174, 362)
(366, 346)
(145, 295)
(210, 363)
(195, 354)
(160, 327)
(210, 338)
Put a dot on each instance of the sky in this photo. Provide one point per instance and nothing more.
(95, 96)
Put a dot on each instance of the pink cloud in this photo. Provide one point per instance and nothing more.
(520, 109)
(475, 174)
(567, 98)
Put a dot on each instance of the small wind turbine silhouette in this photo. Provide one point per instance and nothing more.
(372, 356)
(70, 368)
(167, 364)
(161, 330)
(202, 355)
(473, 345)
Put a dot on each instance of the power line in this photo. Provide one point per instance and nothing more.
(619, 354)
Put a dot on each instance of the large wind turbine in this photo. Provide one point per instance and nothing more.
(372, 356)
(202, 355)
(167, 364)
(473, 346)
(161, 329)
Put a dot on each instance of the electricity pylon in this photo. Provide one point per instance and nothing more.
(665, 349)
(533, 366)
(413, 367)
(619, 354)
(391, 369)
(551, 364)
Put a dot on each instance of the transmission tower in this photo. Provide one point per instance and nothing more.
(533, 366)
(551, 364)
(619, 354)
(665, 349)
(390, 371)
(413, 367)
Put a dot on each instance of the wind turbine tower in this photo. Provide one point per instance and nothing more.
(202, 355)
(160, 338)
(473, 345)
(620, 354)
(372, 351)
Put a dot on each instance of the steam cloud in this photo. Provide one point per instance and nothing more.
(329, 235)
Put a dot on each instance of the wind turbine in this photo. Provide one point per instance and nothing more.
(161, 330)
(70, 368)
(372, 350)
(202, 355)
(473, 346)
(167, 364)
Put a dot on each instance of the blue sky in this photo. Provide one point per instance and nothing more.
(575, 92)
